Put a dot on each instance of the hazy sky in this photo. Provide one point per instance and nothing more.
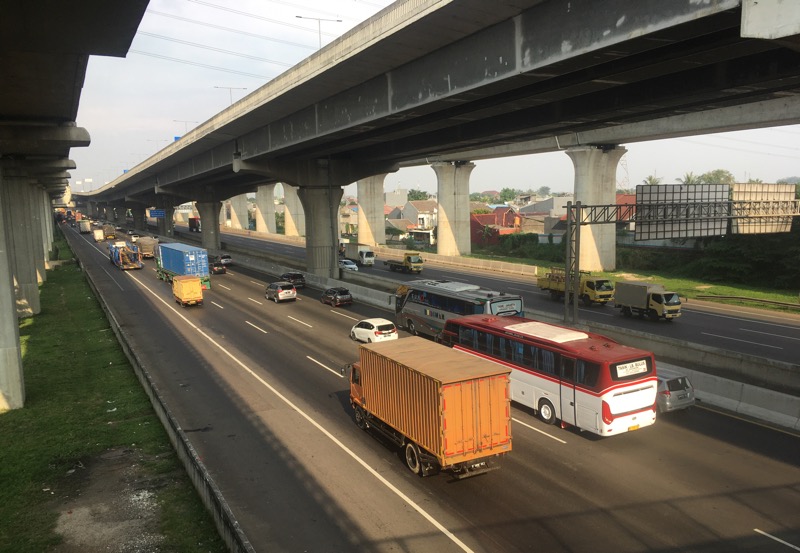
(190, 58)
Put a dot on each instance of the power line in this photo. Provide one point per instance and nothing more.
(198, 64)
(196, 45)
(237, 31)
(247, 14)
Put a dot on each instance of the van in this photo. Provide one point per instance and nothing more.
(675, 392)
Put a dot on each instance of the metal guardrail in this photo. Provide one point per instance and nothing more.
(745, 298)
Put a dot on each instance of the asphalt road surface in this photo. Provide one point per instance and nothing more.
(259, 390)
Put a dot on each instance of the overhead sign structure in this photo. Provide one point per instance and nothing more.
(755, 204)
(681, 211)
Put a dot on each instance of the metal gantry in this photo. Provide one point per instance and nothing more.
(579, 215)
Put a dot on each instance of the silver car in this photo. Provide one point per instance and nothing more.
(281, 291)
(675, 392)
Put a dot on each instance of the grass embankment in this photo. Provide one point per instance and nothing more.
(685, 287)
(83, 399)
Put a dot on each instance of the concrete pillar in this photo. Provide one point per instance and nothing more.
(371, 220)
(239, 217)
(452, 235)
(35, 228)
(209, 219)
(322, 239)
(118, 212)
(21, 241)
(12, 384)
(166, 226)
(139, 220)
(294, 218)
(265, 208)
(596, 184)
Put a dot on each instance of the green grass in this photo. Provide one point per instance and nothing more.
(685, 287)
(82, 399)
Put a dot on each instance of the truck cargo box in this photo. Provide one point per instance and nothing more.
(187, 290)
(183, 259)
(453, 405)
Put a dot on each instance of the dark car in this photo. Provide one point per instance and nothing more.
(217, 268)
(297, 279)
(336, 297)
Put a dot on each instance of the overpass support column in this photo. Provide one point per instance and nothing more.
(12, 383)
(139, 219)
(322, 238)
(239, 217)
(166, 226)
(265, 208)
(596, 184)
(453, 236)
(294, 218)
(209, 218)
(22, 242)
(371, 222)
(36, 228)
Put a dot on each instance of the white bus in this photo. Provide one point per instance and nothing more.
(580, 378)
(423, 306)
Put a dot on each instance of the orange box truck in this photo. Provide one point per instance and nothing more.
(187, 290)
(446, 409)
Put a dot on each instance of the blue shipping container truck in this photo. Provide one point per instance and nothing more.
(182, 259)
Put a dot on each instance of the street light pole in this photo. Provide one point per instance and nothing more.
(185, 124)
(319, 21)
(230, 90)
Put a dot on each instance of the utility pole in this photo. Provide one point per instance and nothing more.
(230, 90)
(319, 21)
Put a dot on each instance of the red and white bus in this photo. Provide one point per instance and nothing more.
(580, 378)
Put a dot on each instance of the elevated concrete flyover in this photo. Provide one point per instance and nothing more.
(459, 81)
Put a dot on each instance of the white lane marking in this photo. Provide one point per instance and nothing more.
(410, 502)
(339, 374)
(218, 305)
(786, 543)
(345, 316)
(257, 328)
(738, 340)
(259, 283)
(255, 301)
(537, 430)
(221, 286)
(765, 314)
(299, 321)
(769, 334)
(113, 279)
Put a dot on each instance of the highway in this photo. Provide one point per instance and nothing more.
(767, 334)
(259, 390)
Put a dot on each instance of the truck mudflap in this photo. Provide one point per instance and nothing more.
(473, 468)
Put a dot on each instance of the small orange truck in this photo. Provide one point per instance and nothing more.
(187, 290)
(444, 408)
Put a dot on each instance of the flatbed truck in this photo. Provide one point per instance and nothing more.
(410, 263)
(590, 289)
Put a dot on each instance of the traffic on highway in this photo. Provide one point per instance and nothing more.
(261, 389)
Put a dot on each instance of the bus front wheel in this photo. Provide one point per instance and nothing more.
(546, 412)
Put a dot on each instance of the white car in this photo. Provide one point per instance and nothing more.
(133, 237)
(347, 265)
(373, 330)
(225, 259)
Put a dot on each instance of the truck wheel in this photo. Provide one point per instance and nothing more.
(626, 312)
(587, 301)
(554, 295)
(546, 412)
(411, 328)
(653, 315)
(412, 458)
(361, 419)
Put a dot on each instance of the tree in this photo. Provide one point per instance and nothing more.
(543, 191)
(690, 178)
(416, 195)
(717, 176)
(508, 194)
(652, 179)
(393, 232)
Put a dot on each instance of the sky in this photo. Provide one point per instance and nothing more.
(191, 58)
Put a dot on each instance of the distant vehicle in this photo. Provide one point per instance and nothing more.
(411, 263)
(590, 289)
(130, 232)
(225, 259)
(176, 259)
(194, 224)
(347, 265)
(281, 291)
(373, 330)
(675, 392)
(84, 226)
(187, 290)
(134, 237)
(360, 254)
(336, 296)
(298, 279)
(147, 245)
(217, 268)
(442, 409)
(583, 379)
(118, 228)
(98, 235)
(109, 232)
(647, 298)
(423, 306)
(125, 255)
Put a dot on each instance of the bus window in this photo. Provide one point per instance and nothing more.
(587, 373)
(567, 369)
(465, 336)
(548, 362)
